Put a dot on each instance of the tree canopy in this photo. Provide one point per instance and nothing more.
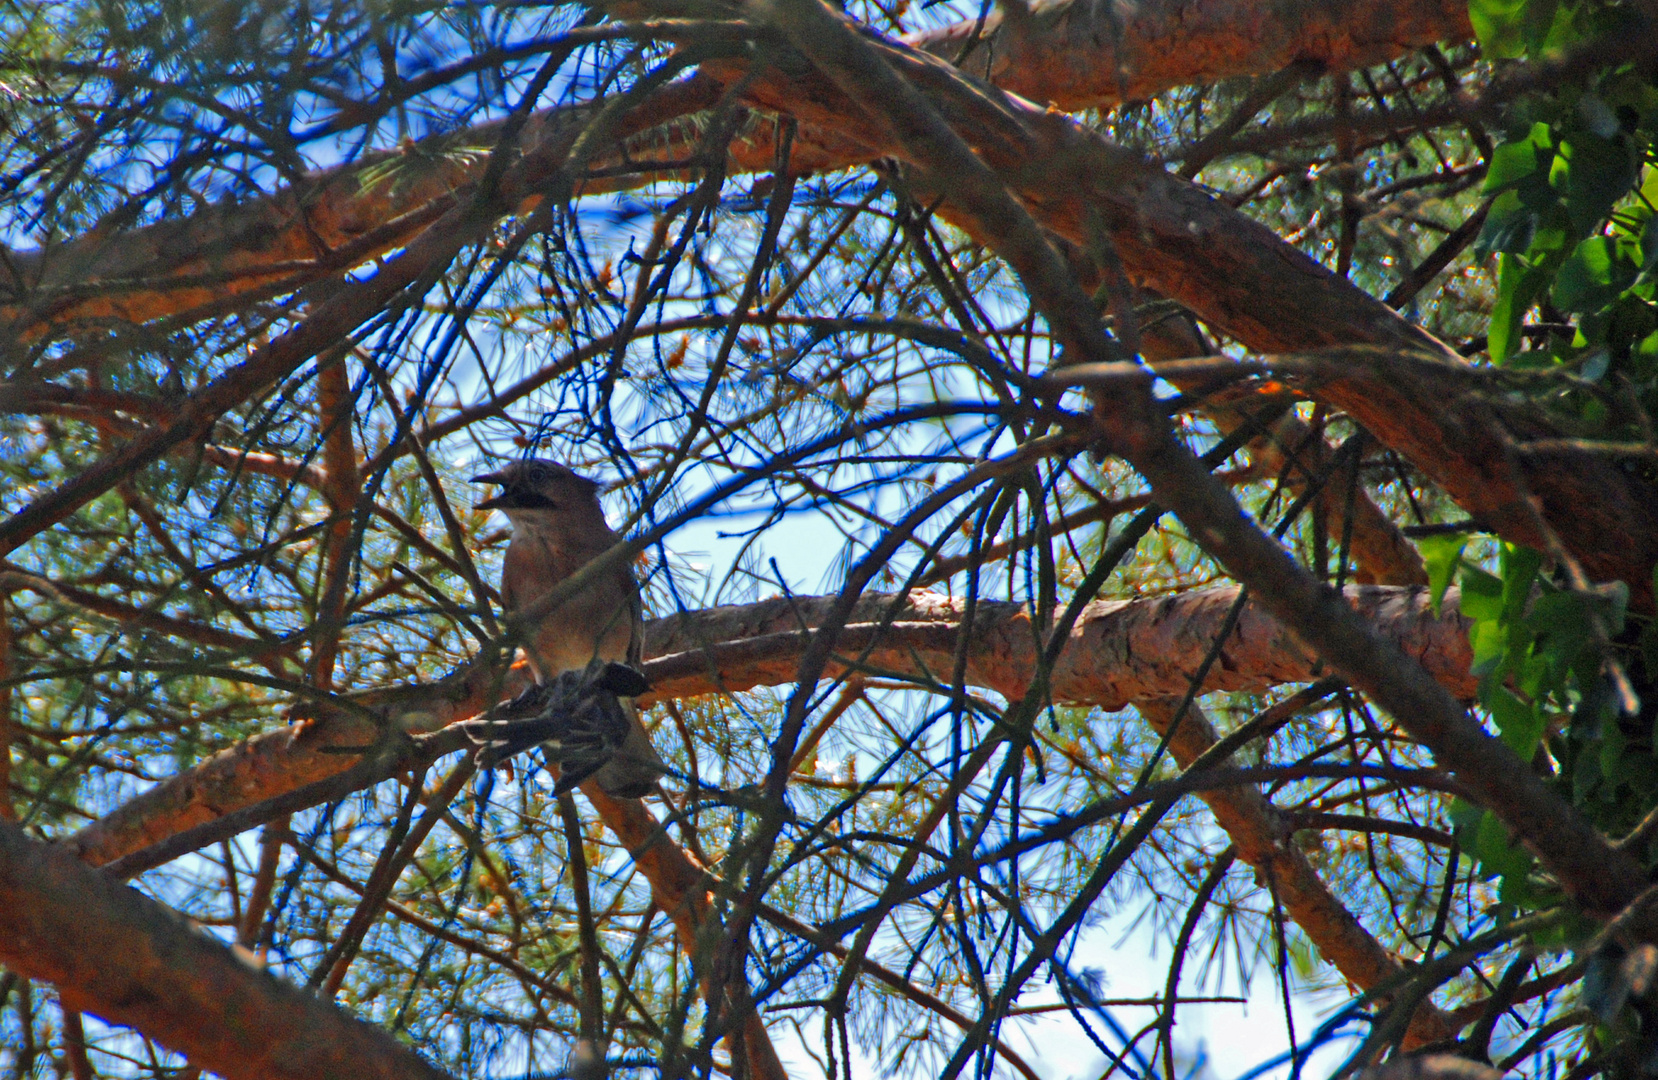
(1184, 460)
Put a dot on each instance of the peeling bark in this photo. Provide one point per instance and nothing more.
(1070, 53)
(1119, 652)
(1178, 241)
(1415, 395)
(1092, 55)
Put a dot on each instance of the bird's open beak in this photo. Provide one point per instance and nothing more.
(494, 501)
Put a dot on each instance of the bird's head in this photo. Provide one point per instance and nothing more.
(533, 488)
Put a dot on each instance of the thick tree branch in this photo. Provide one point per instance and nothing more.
(931, 130)
(1070, 53)
(1089, 55)
(1175, 239)
(121, 956)
(1119, 652)
(1236, 274)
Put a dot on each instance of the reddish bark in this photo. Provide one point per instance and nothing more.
(1079, 55)
(1235, 273)
(1071, 53)
(121, 956)
(232, 253)
(1119, 652)
(1172, 238)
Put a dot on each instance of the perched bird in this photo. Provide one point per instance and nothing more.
(558, 527)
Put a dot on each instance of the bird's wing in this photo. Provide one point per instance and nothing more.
(636, 616)
(509, 582)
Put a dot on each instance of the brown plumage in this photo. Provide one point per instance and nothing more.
(558, 527)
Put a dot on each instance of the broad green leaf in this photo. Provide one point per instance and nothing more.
(1597, 173)
(1563, 618)
(1482, 595)
(1442, 554)
(1495, 851)
(1535, 676)
(1464, 814)
(1591, 278)
(1500, 27)
(1518, 286)
(1516, 888)
(1509, 227)
(1519, 567)
(1510, 162)
(1490, 644)
(1521, 724)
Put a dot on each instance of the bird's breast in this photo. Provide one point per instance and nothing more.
(595, 622)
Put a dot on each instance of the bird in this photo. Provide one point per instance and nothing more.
(558, 526)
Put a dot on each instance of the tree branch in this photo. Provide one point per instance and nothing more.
(1260, 838)
(1085, 55)
(121, 956)
(1171, 237)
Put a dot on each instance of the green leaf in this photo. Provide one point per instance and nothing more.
(1500, 26)
(1464, 814)
(1563, 625)
(1494, 850)
(1517, 889)
(1482, 595)
(1511, 162)
(1443, 554)
(1563, 618)
(1519, 567)
(1591, 277)
(1597, 173)
(1612, 747)
(1536, 677)
(1585, 776)
(1509, 228)
(1521, 724)
(1490, 644)
(1519, 284)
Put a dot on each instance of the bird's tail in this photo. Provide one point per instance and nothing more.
(634, 767)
